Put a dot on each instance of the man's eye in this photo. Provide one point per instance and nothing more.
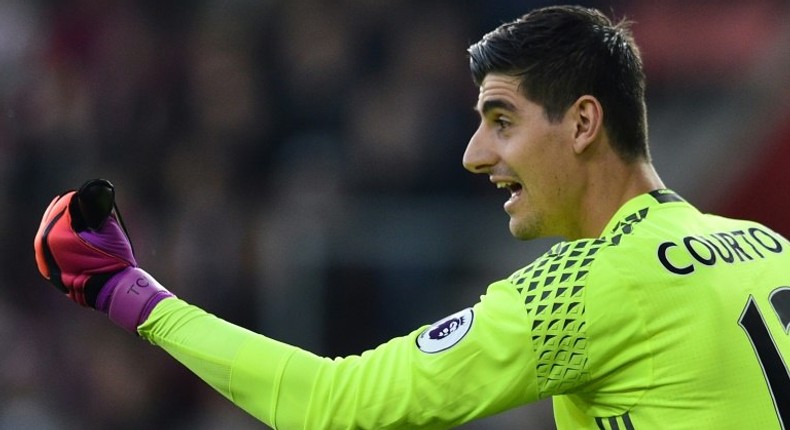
(502, 123)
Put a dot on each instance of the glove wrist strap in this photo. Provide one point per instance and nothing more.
(129, 297)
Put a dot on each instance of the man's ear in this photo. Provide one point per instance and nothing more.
(588, 119)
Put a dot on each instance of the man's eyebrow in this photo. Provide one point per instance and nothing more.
(490, 105)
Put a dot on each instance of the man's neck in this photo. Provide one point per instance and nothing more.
(610, 191)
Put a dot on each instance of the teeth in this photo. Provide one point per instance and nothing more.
(501, 185)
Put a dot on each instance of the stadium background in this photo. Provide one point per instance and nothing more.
(294, 167)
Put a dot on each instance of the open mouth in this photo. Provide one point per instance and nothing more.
(513, 187)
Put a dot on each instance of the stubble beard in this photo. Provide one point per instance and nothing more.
(527, 227)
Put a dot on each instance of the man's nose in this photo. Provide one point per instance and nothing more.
(479, 156)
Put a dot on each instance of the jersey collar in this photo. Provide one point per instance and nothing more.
(639, 206)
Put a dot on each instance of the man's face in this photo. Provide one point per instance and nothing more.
(524, 153)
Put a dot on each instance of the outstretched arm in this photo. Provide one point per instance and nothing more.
(471, 364)
(427, 379)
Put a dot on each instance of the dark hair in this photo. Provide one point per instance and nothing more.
(563, 52)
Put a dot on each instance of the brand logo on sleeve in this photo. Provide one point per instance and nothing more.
(445, 333)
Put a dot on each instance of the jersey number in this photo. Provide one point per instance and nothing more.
(774, 369)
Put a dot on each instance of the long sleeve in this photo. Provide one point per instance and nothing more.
(401, 384)
(243, 366)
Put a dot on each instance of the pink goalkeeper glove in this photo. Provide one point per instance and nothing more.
(82, 248)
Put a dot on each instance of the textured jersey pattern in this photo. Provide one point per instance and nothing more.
(553, 290)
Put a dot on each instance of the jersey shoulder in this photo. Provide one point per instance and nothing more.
(556, 288)
(553, 289)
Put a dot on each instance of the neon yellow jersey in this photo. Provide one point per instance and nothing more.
(671, 319)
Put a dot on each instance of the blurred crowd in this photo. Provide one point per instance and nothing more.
(293, 167)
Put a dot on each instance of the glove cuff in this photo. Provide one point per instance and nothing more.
(129, 297)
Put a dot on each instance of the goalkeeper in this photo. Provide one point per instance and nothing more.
(649, 315)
